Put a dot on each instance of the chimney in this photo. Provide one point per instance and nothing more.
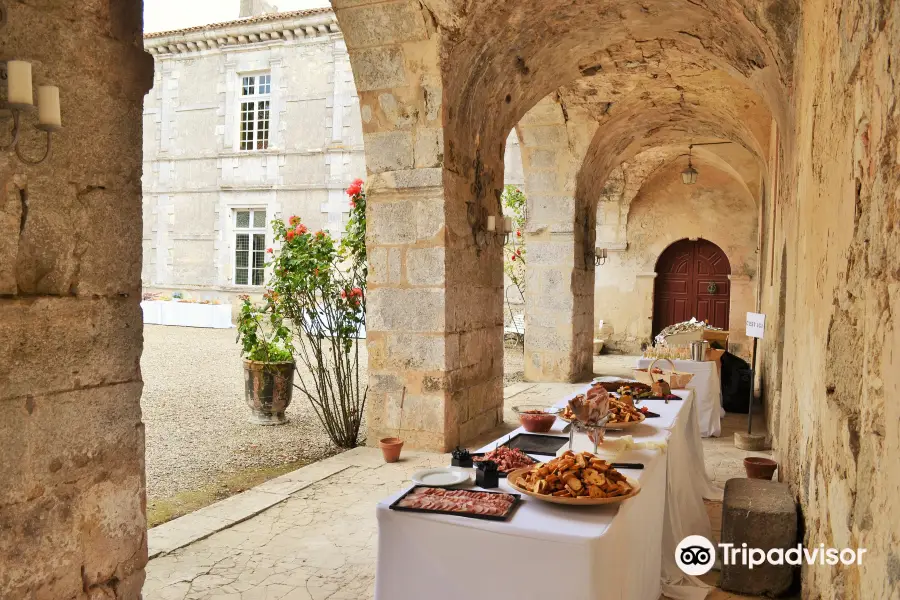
(254, 8)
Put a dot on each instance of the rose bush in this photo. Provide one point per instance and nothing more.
(514, 251)
(319, 285)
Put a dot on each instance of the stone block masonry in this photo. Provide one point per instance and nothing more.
(72, 519)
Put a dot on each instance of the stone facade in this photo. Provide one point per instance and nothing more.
(196, 173)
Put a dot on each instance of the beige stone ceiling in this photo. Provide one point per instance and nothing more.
(649, 72)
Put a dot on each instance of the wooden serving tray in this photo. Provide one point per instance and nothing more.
(513, 480)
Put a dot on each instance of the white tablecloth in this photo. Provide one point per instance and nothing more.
(708, 389)
(187, 314)
(579, 551)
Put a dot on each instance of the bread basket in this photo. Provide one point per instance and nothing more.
(675, 379)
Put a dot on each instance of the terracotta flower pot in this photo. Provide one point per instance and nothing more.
(758, 467)
(390, 448)
(268, 387)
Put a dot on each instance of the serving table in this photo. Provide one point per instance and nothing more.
(187, 314)
(707, 387)
(620, 551)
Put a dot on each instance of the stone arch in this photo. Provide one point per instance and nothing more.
(717, 208)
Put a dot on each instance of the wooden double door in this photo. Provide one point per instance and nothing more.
(691, 281)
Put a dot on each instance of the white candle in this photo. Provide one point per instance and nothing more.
(507, 225)
(18, 74)
(48, 108)
(492, 223)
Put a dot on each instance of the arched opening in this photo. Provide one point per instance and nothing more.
(692, 281)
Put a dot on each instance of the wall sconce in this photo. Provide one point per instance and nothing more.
(488, 229)
(20, 98)
(600, 256)
(689, 175)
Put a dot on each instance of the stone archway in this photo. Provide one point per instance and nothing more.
(692, 280)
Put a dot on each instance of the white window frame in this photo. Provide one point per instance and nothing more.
(251, 232)
(254, 89)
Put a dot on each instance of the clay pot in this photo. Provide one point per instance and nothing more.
(390, 448)
(268, 387)
(758, 467)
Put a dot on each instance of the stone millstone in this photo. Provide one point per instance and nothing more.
(754, 442)
(763, 515)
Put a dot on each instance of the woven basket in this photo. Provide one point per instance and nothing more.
(675, 379)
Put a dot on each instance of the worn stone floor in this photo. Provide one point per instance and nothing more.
(311, 534)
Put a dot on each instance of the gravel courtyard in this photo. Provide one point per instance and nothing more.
(197, 436)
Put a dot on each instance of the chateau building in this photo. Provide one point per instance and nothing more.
(247, 121)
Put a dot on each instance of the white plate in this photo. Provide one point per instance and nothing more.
(441, 477)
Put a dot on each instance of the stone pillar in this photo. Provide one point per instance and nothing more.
(559, 297)
(434, 307)
(72, 499)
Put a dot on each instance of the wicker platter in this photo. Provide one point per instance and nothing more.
(513, 480)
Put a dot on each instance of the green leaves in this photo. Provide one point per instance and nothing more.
(514, 259)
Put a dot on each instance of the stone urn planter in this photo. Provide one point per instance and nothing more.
(268, 387)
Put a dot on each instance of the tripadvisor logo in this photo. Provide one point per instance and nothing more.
(696, 555)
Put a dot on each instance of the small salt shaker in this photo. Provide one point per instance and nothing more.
(486, 474)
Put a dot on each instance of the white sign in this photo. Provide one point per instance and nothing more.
(756, 325)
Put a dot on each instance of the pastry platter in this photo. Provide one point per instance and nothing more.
(575, 480)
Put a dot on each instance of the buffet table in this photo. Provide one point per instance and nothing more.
(624, 550)
(187, 314)
(706, 386)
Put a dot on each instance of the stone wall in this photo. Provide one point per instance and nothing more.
(665, 210)
(833, 271)
(72, 470)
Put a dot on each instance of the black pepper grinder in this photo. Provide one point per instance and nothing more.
(461, 458)
(486, 474)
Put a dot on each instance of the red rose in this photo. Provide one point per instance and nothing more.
(514, 257)
(518, 234)
(294, 221)
(355, 187)
(290, 234)
(343, 293)
(269, 250)
(301, 229)
(356, 291)
(518, 252)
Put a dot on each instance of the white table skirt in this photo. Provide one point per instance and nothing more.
(187, 314)
(708, 389)
(580, 551)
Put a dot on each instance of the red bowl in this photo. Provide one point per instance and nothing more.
(536, 419)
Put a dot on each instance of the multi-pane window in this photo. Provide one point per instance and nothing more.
(255, 93)
(249, 246)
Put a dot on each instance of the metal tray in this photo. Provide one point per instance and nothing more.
(536, 443)
(517, 499)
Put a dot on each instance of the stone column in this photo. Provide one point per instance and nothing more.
(434, 326)
(72, 498)
(559, 297)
